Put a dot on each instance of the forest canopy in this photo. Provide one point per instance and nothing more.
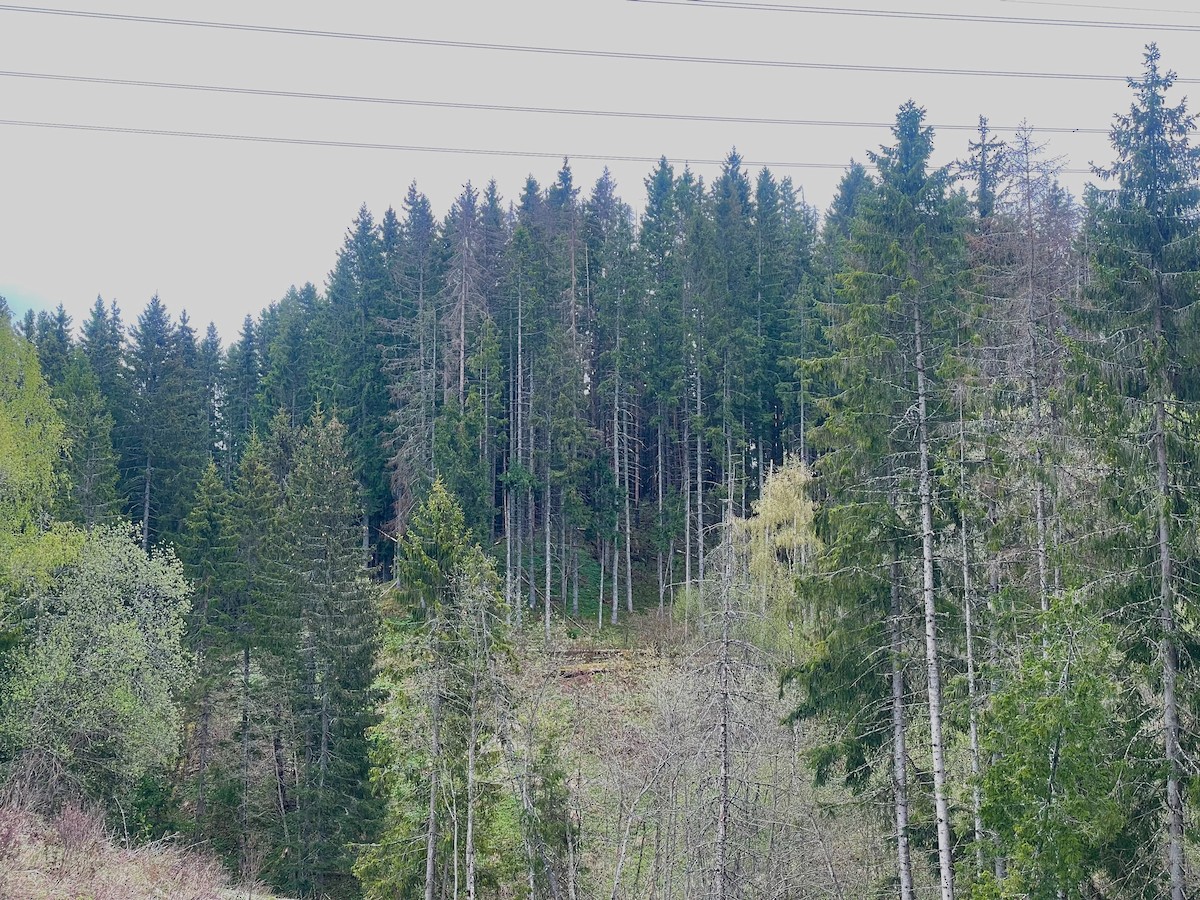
(726, 550)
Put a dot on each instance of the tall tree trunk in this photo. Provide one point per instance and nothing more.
(658, 478)
(968, 620)
(563, 555)
(616, 471)
(508, 554)
(147, 475)
(687, 510)
(721, 866)
(628, 526)
(473, 732)
(899, 750)
(280, 774)
(1035, 400)
(546, 528)
(431, 820)
(932, 658)
(462, 333)
(600, 594)
(244, 805)
(699, 487)
(532, 515)
(616, 570)
(519, 432)
(1168, 646)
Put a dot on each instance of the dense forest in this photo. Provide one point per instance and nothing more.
(728, 550)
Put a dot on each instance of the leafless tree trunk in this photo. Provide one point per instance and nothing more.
(899, 750)
(1168, 646)
(244, 805)
(431, 821)
(932, 658)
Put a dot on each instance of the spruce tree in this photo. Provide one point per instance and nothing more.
(1142, 350)
(241, 383)
(206, 550)
(894, 324)
(90, 473)
(334, 704)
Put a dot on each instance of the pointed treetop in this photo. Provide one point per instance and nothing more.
(1156, 165)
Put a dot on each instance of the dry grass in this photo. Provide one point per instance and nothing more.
(71, 856)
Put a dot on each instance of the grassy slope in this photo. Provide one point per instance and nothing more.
(71, 855)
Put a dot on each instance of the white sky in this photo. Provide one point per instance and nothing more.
(221, 228)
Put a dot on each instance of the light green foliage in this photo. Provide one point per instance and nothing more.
(442, 727)
(31, 438)
(90, 698)
(779, 536)
(431, 549)
(1059, 790)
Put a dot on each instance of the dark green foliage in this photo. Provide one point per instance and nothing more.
(1060, 790)
(90, 474)
(333, 706)
(241, 382)
(165, 442)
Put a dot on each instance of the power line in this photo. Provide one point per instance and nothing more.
(414, 148)
(920, 16)
(567, 51)
(1172, 12)
(489, 107)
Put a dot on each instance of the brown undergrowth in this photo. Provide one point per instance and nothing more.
(71, 855)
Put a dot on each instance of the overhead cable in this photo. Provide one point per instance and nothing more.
(507, 108)
(415, 148)
(566, 51)
(920, 16)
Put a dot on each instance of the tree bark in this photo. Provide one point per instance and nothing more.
(1168, 646)
(431, 820)
(244, 806)
(932, 658)
(899, 750)
(472, 740)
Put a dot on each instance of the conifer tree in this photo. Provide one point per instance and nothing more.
(241, 384)
(895, 323)
(103, 343)
(88, 492)
(1140, 313)
(206, 550)
(435, 751)
(335, 608)
(290, 354)
(146, 447)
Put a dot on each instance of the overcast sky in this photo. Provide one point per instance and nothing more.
(222, 228)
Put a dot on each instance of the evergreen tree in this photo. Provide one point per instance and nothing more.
(52, 337)
(90, 474)
(149, 441)
(103, 343)
(290, 379)
(242, 377)
(209, 359)
(435, 751)
(1142, 350)
(334, 703)
(894, 326)
(206, 549)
